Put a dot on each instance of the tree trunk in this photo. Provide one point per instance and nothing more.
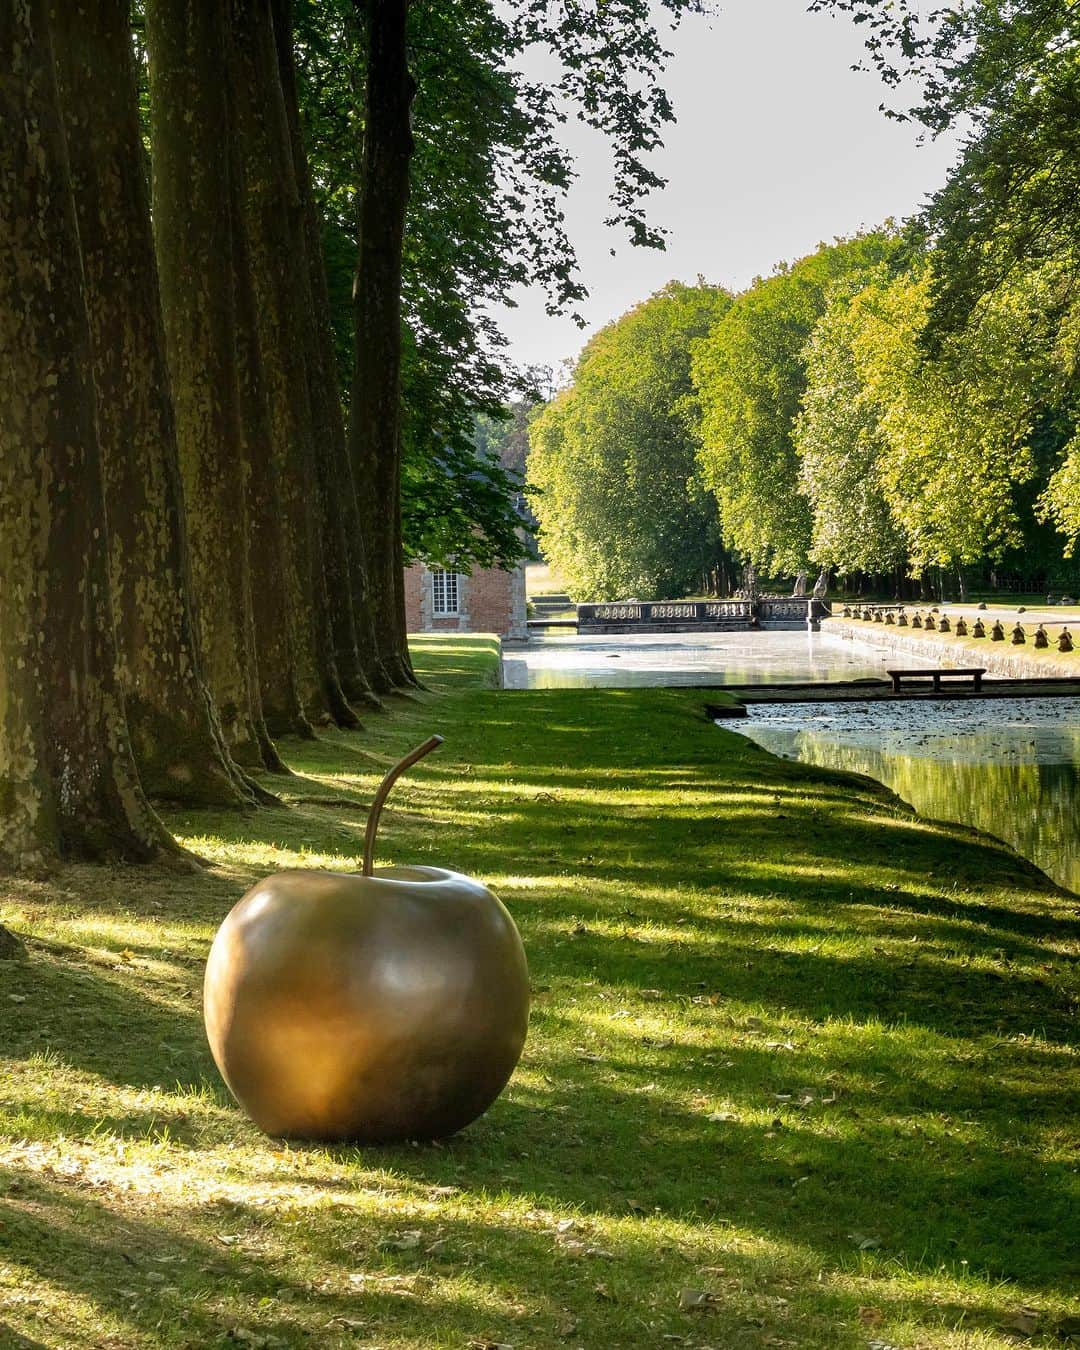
(193, 231)
(174, 727)
(346, 569)
(273, 227)
(375, 420)
(279, 687)
(68, 781)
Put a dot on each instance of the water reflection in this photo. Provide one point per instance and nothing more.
(1009, 766)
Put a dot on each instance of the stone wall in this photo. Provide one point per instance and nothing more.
(946, 649)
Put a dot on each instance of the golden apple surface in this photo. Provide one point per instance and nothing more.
(372, 1008)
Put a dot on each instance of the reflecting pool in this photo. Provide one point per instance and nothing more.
(1010, 767)
(628, 659)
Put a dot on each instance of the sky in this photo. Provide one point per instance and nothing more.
(779, 145)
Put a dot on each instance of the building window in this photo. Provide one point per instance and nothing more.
(444, 592)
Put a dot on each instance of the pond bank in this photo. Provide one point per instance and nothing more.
(946, 649)
(1012, 769)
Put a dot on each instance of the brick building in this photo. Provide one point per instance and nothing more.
(487, 601)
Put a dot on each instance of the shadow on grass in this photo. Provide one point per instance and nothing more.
(901, 1113)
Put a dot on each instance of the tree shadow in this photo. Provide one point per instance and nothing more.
(931, 1118)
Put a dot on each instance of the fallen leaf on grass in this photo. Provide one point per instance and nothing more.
(691, 1300)
(404, 1242)
(228, 1239)
(575, 1247)
(723, 1115)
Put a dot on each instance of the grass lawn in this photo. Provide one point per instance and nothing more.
(541, 578)
(799, 1070)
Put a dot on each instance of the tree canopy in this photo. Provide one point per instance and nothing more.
(612, 470)
(750, 376)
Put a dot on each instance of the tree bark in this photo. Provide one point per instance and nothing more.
(273, 227)
(68, 782)
(339, 516)
(175, 732)
(375, 408)
(279, 687)
(193, 232)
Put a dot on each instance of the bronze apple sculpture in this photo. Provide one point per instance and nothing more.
(375, 1007)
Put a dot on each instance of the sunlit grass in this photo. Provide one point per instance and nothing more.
(790, 1048)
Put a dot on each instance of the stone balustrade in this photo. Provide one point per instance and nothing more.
(659, 616)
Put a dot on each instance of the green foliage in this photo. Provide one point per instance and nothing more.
(506, 437)
(750, 375)
(1006, 72)
(953, 425)
(840, 448)
(612, 471)
(485, 213)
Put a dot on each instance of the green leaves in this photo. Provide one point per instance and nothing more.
(612, 465)
(750, 377)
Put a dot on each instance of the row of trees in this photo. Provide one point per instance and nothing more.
(894, 404)
(199, 551)
(612, 472)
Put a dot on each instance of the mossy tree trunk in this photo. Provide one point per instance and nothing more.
(193, 231)
(375, 406)
(339, 520)
(68, 782)
(273, 227)
(175, 733)
(279, 686)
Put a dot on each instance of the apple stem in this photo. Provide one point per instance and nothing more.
(432, 743)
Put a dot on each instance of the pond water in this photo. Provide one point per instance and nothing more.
(1010, 767)
(628, 659)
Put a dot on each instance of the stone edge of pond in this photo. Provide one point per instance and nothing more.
(1010, 662)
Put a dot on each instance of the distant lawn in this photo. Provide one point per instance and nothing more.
(543, 579)
(802, 1068)
(992, 599)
